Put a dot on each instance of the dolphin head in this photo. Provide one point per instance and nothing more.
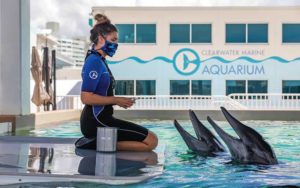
(250, 147)
(204, 133)
(199, 146)
(193, 143)
(257, 147)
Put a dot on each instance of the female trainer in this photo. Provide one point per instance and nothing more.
(97, 93)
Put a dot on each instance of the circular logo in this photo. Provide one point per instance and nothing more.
(186, 61)
(93, 74)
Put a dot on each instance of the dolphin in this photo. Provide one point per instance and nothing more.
(250, 147)
(205, 143)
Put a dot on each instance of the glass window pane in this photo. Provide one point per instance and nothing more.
(257, 86)
(235, 86)
(201, 33)
(146, 33)
(145, 87)
(290, 33)
(124, 87)
(235, 33)
(201, 87)
(126, 33)
(179, 87)
(257, 33)
(179, 33)
(291, 86)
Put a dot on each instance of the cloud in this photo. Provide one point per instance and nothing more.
(73, 15)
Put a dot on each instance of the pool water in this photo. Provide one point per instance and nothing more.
(186, 169)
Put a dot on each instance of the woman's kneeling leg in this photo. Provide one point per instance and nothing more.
(148, 144)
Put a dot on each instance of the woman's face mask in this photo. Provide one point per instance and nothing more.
(109, 48)
(111, 44)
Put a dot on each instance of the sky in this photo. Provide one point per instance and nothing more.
(73, 15)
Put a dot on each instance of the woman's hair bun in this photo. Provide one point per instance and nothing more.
(102, 27)
(101, 19)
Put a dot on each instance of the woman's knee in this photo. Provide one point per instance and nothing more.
(151, 140)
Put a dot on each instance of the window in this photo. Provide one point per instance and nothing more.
(235, 86)
(235, 33)
(201, 33)
(201, 87)
(246, 33)
(182, 87)
(253, 86)
(145, 87)
(179, 87)
(179, 33)
(257, 33)
(145, 33)
(257, 86)
(124, 87)
(137, 33)
(126, 33)
(190, 33)
(291, 86)
(291, 33)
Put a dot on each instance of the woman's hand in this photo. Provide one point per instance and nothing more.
(90, 98)
(124, 102)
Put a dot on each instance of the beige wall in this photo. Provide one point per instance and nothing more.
(218, 17)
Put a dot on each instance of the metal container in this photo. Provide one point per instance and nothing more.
(106, 164)
(106, 139)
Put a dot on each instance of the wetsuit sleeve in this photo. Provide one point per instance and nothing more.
(91, 74)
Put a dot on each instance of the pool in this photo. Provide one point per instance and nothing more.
(185, 169)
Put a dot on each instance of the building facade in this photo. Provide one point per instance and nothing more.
(55, 28)
(72, 48)
(205, 51)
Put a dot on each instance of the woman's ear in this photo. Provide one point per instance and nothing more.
(101, 40)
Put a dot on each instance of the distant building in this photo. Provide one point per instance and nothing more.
(73, 48)
(87, 43)
(54, 26)
(52, 43)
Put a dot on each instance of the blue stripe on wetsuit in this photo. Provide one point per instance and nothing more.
(95, 78)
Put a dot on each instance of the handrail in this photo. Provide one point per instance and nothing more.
(238, 101)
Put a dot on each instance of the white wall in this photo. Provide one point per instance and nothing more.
(163, 72)
(15, 57)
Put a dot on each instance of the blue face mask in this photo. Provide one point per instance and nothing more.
(109, 48)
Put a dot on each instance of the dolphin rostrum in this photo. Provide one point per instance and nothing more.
(205, 143)
(250, 147)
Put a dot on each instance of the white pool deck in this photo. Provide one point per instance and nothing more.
(44, 159)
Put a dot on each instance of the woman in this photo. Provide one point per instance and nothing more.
(97, 93)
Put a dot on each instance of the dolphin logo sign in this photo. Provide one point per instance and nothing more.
(186, 61)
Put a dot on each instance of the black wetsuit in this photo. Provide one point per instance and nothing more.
(97, 78)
